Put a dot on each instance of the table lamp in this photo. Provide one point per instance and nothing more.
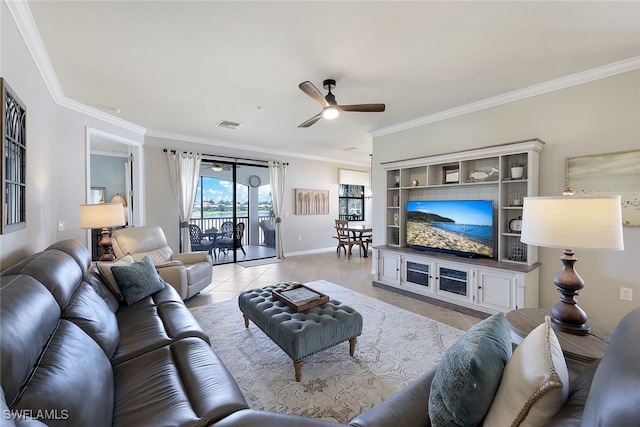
(104, 216)
(585, 223)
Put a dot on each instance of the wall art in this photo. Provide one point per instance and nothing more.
(609, 174)
(312, 202)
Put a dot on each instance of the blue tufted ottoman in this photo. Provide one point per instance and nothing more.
(304, 333)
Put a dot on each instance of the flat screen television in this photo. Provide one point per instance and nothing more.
(460, 227)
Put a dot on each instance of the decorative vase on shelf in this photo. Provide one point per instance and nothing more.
(395, 218)
(517, 172)
(517, 169)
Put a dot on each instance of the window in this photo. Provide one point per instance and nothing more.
(14, 161)
(351, 202)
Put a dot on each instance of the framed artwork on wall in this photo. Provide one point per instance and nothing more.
(609, 174)
(312, 202)
(13, 169)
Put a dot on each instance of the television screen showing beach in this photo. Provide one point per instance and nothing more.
(458, 226)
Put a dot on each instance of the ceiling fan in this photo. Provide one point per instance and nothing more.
(219, 167)
(330, 109)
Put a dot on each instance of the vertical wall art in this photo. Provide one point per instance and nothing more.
(312, 202)
(609, 174)
(13, 168)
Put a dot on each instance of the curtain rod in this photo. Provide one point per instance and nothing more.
(217, 156)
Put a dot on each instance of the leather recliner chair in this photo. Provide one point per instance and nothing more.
(188, 272)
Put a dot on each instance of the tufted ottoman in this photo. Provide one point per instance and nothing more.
(304, 333)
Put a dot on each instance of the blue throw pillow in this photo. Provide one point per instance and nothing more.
(138, 280)
(468, 376)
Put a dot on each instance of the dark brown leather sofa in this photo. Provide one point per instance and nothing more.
(71, 355)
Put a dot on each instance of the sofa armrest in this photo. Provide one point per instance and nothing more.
(168, 264)
(176, 276)
(257, 418)
(193, 257)
(407, 407)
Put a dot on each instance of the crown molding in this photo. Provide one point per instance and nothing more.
(23, 19)
(247, 147)
(598, 73)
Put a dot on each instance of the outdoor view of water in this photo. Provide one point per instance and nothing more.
(478, 233)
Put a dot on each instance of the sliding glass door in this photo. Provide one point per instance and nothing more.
(233, 208)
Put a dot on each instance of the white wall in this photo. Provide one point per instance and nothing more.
(56, 157)
(598, 117)
(316, 231)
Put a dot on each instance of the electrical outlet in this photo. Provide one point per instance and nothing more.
(61, 225)
(626, 294)
(299, 237)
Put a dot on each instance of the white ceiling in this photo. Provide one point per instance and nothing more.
(178, 68)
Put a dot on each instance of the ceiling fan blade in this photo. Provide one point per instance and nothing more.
(365, 108)
(308, 88)
(311, 121)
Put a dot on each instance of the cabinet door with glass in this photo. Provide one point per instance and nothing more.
(418, 274)
(454, 281)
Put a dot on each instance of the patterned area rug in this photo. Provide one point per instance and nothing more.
(395, 348)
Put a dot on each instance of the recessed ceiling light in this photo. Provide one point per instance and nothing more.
(228, 125)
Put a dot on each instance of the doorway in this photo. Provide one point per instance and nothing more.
(114, 173)
(233, 208)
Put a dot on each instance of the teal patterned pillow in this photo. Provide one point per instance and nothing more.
(138, 280)
(468, 376)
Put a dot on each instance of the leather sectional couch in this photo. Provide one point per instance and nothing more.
(72, 355)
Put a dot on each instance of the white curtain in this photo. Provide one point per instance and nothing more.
(277, 172)
(184, 169)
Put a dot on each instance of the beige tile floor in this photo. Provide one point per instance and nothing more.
(351, 272)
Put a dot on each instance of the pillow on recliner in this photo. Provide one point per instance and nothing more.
(468, 376)
(138, 280)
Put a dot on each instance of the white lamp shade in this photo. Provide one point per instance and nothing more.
(101, 215)
(571, 222)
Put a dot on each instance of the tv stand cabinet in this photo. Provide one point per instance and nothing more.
(478, 284)
(508, 281)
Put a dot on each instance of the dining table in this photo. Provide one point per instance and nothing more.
(358, 233)
(214, 235)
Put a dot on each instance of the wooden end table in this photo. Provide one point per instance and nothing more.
(581, 349)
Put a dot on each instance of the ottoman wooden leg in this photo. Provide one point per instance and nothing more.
(352, 346)
(246, 320)
(297, 366)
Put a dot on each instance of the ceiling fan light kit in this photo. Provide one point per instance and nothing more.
(330, 113)
(330, 108)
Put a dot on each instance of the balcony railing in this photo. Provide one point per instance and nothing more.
(208, 223)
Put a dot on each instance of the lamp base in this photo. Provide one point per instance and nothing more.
(566, 315)
(569, 320)
(106, 245)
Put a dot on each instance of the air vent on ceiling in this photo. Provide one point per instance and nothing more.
(228, 125)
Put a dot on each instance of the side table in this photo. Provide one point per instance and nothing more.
(578, 350)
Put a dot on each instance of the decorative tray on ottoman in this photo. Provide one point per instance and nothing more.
(300, 297)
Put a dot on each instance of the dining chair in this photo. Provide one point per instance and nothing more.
(198, 242)
(345, 238)
(232, 238)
